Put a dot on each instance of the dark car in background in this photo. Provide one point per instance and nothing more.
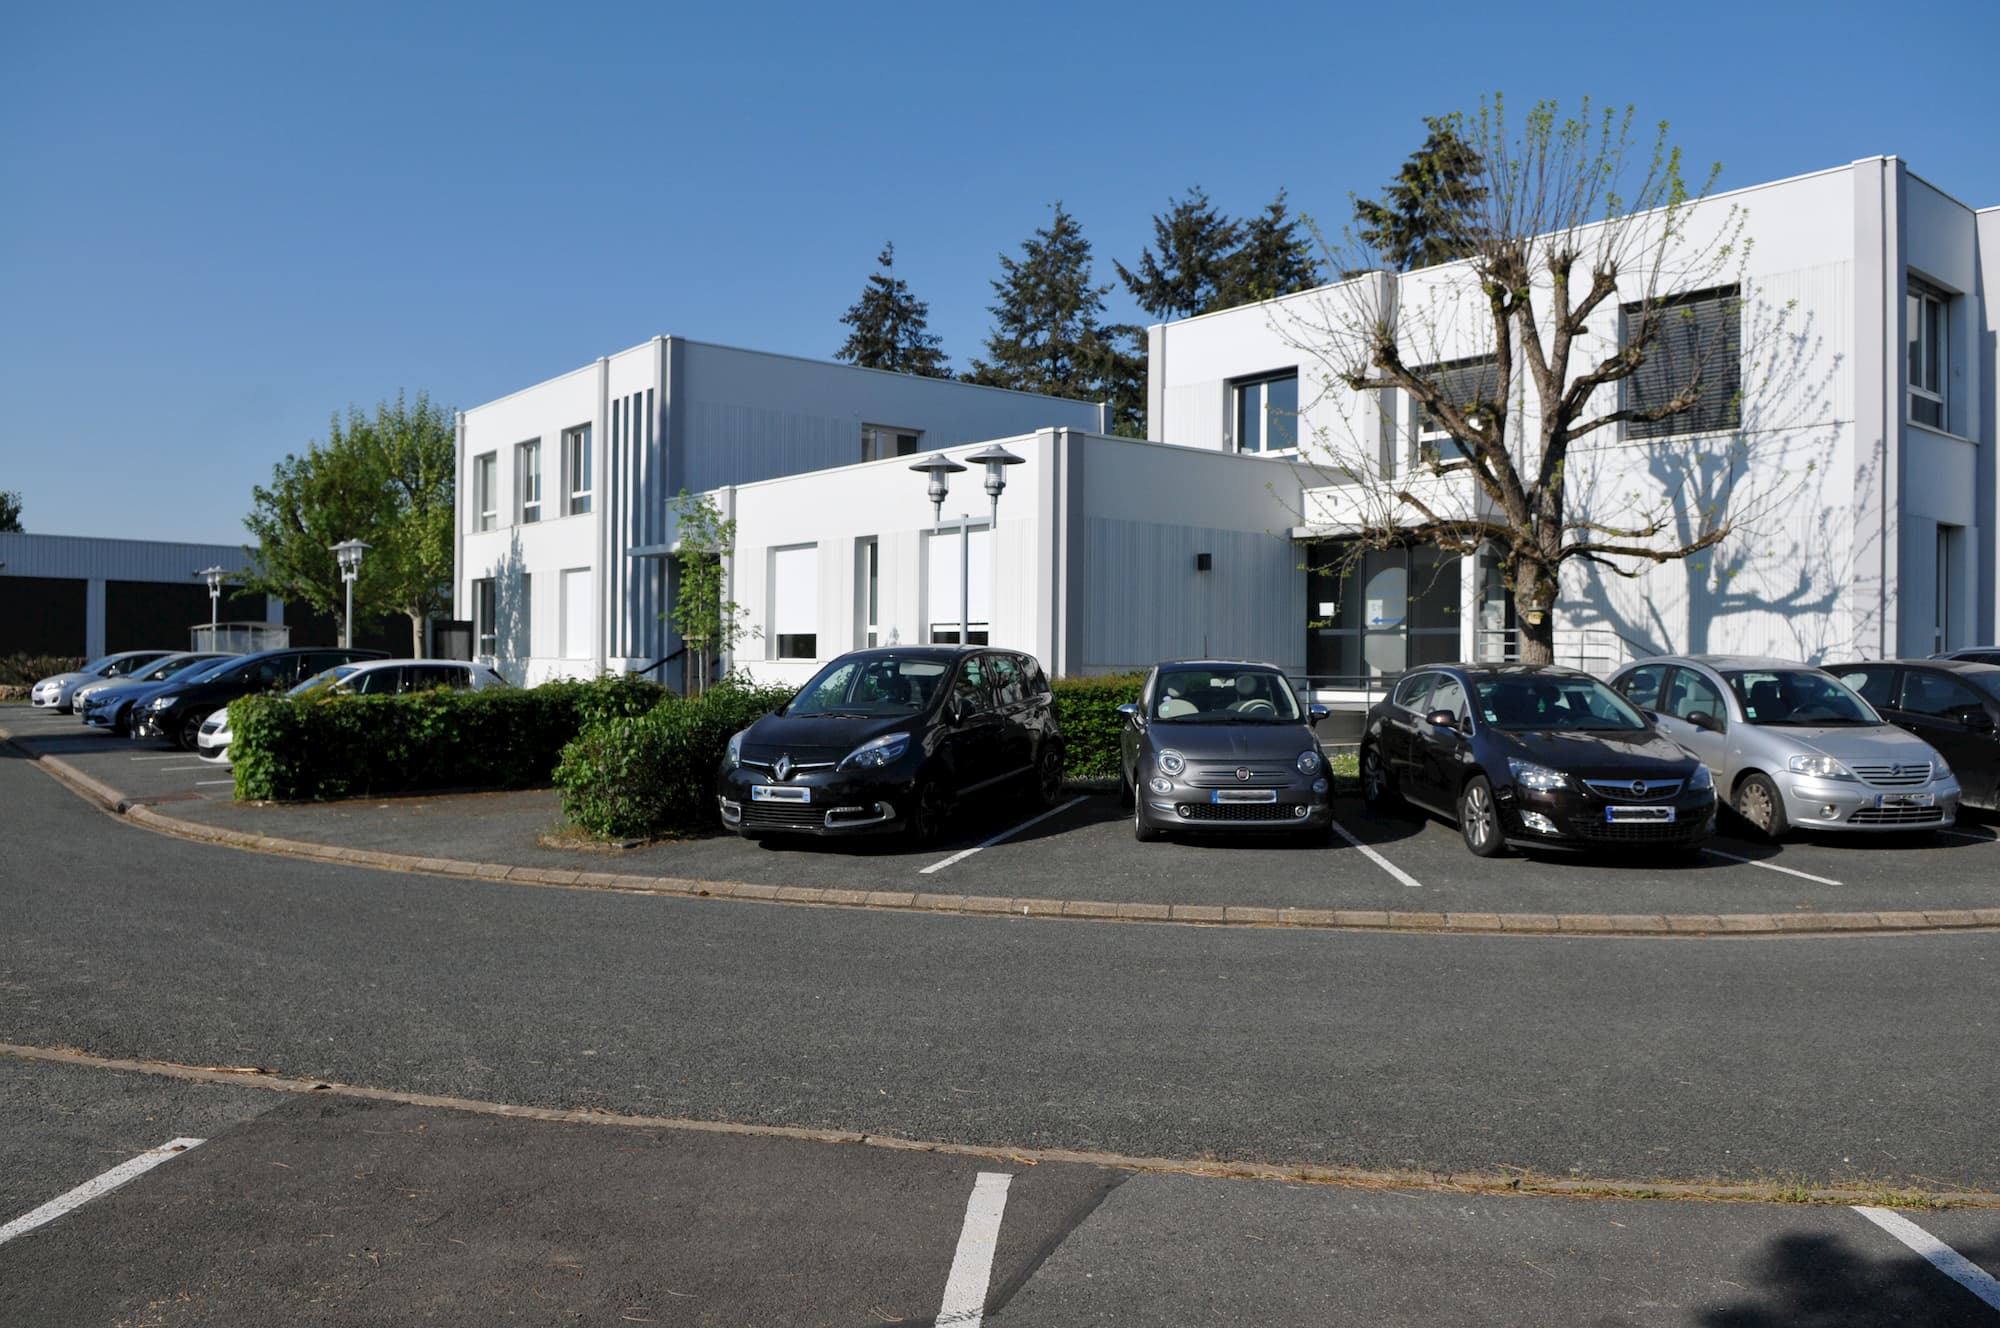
(177, 710)
(895, 739)
(1952, 704)
(1535, 756)
(108, 704)
(1222, 745)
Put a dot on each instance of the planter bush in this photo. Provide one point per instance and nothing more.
(653, 775)
(1087, 709)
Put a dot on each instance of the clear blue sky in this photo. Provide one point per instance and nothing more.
(221, 223)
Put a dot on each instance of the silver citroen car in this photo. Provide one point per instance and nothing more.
(1222, 745)
(1791, 747)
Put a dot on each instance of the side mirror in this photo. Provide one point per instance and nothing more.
(1704, 721)
(1442, 719)
(1130, 711)
(1315, 713)
(1979, 721)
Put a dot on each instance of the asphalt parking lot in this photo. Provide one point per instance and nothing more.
(1084, 850)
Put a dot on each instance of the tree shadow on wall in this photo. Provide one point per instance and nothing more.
(1824, 1281)
(513, 616)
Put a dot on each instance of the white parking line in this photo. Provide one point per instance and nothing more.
(170, 769)
(175, 757)
(90, 1189)
(1940, 1255)
(972, 1267)
(202, 783)
(965, 853)
(1771, 866)
(1378, 859)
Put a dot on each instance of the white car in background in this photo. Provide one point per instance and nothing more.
(59, 690)
(374, 677)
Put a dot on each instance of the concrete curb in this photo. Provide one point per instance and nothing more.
(1574, 925)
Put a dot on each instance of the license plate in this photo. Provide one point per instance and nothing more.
(1658, 815)
(767, 793)
(1905, 799)
(1243, 795)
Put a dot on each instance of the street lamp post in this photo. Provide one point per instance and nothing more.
(214, 576)
(996, 459)
(349, 552)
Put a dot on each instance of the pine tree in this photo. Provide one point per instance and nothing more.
(1275, 258)
(1430, 214)
(1196, 245)
(1046, 335)
(890, 326)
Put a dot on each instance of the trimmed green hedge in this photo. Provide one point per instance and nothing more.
(309, 748)
(1087, 709)
(653, 775)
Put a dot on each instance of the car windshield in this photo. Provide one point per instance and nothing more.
(170, 666)
(871, 685)
(324, 678)
(1797, 698)
(1222, 695)
(209, 668)
(1529, 702)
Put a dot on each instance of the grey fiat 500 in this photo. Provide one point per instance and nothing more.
(1222, 745)
(1790, 746)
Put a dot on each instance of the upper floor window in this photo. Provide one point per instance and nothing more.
(879, 441)
(1267, 413)
(576, 470)
(1693, 347)
(528, 480)
(485, 493)
(1928, 310)
(1465, 384)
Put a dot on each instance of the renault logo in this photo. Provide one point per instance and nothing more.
(1243, 774)
(783, 769)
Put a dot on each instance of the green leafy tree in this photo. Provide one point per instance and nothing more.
(1196, 246)
(890, 327)
(709, 624)
(1275, 258)
(1431, 213)
(10, 512)
(415, 448)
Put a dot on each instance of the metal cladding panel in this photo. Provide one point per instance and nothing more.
(732, 444)
(1149, 603)
(90, 558)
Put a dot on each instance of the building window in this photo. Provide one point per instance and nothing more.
(1372, 614)
(879, 442)
(1267, 413)
(528, 480)
(794, 600)
(485, 494)
(1692, 343)
(941, 555)
(485, 616)
(576, 470)
(579, 621)
(1928, 309)
(868, 572)
(524, 627)
(1465, 384)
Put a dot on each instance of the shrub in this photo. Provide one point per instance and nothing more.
(645, 776)
(27, 670)
(1087, 709)
(315, 747)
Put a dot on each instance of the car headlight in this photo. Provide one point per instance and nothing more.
(1170, 761)
(1701, 779)
(159, 703)
(877, 752)
(732, 755)
(1308, 762)
(1529, 775)
(1820, 767)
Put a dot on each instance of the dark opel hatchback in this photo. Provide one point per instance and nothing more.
(1534, 756)
(894, 740)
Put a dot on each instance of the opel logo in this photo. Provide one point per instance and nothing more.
(1638, 788)
(783, 769)
(1243, 774)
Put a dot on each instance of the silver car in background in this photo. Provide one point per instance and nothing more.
(58, 690)
(1790, 746)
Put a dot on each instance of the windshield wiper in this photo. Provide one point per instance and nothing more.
(832, 714)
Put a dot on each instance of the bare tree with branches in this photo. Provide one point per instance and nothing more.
(1598, 307)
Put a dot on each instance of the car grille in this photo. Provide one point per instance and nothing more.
(1620, 790)
(1897, 816)
(1638, 832)
(1263, 774)
(1895, 776)
(783, 816)
(1238, 811)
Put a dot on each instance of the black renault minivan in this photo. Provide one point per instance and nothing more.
(176, 713)
(895, 739)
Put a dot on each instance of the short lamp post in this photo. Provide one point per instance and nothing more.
(349, 552)
(213, 575)
(938, 466)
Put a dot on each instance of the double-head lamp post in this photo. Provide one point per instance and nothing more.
(996, 459)
(213, 575)
(349, 553)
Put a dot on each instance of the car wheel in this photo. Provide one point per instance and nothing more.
(1758, 802)
(1049, 774)
(188, 739)
(931, 813)
(1142, 832)
(1127, 796)
(1376, 790)
(1479, 819)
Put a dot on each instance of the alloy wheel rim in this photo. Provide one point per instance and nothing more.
(1478, 815)
(1371, 775)
(1757, 806)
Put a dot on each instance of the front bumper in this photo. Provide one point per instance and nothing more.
(47, 698)
(835, 802)
(1569, 818)
(1304, 802)
(1846, 804)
